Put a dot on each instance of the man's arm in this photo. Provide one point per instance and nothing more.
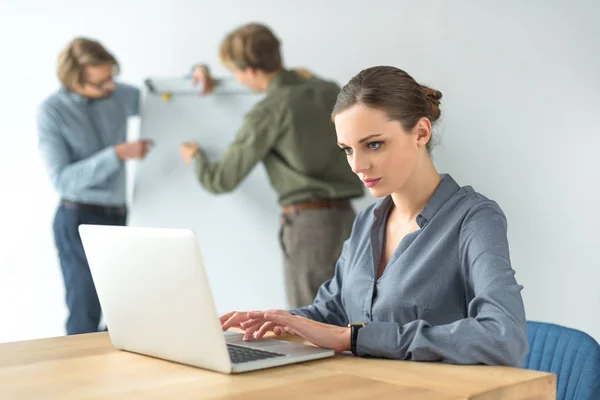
(254, 140)
(68, 176)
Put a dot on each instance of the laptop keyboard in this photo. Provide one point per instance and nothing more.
(241, 354)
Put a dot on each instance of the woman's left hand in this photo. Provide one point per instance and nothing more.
(323, 335)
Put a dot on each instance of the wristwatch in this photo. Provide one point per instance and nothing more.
(354, 328)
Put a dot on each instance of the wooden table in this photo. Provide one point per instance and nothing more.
(88, 367)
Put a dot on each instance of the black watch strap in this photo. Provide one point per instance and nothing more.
(354, 328)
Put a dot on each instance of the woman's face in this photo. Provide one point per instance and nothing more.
(380, 151)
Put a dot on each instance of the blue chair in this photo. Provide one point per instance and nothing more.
(572, 355)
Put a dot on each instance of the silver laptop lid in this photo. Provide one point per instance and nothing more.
(155, 294)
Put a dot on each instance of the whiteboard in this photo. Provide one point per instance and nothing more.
(237, 232)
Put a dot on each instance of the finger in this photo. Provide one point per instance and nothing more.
(253, 321)
(208, 85)
(279, 330)
(279, 319)
(261, 314)
(234, 321)
(145, 149)
(249, 333)
(254, 326)
(225, 317)
(139, 151)
(266, 327)
(252, 318)
(291, 331)
(228, 323)
(256, 314)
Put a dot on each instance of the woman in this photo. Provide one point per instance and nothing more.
(426, 273)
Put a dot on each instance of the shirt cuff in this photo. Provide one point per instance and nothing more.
(200, 160)
(379, 339)
(298, 311)
(109, 157)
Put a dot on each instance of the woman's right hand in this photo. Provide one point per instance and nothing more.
(201, 74)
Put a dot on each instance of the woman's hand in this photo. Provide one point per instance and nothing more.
(242, 319)
(233, 319)
(279, 321)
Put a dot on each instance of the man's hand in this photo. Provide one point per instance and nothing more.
(201, 75)
(188, 151)
(133, 150)
(304, 72)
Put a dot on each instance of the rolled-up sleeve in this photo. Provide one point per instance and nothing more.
(68, 176)
(494, 332)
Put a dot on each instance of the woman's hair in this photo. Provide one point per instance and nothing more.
(76, 55)
(251, 46)
(393, 91)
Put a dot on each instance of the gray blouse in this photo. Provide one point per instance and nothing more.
(448, 292)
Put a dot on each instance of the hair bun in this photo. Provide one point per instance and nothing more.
(434, 98)
(432, 94)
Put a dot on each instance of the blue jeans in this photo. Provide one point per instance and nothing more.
(82, 299)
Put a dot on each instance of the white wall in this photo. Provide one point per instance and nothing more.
(520, 83)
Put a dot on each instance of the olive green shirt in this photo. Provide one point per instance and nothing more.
(291, 132)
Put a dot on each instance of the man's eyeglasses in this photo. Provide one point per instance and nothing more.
(103, 85)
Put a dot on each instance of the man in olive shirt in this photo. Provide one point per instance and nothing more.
(290, 131)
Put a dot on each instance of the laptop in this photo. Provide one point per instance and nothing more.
(156, 301)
